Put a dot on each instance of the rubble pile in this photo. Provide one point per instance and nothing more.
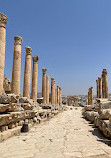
(15, 111)
(99, 115)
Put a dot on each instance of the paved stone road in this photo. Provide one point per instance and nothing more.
(67, 135)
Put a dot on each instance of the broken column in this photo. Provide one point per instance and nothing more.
(34, 78)
(47, 89)
(52, 91)
(105, 93)
(57, 94)
(27, 73)
(3, 22)
(76, 101)
(44, 85)
(99, 88)
(16, 72)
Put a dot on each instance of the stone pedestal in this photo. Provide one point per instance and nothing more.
(58, 95)
(27, 73)
(47, 89)
(3, 22)
(52, 91)
(44, 85)
(34, 78)
(16, 72)
(105, 93)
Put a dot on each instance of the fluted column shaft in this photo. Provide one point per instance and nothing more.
(27, 73)
(52, 91)
(44, 85)
(47, 89)
(16, 72)
(3, 22)
(34, 78)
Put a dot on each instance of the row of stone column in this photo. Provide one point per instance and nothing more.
(56, 96)
(90, 96)
(16, 72)
(102, 85)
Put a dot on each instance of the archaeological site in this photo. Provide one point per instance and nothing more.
(55, 79)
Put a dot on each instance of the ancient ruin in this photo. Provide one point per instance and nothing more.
(17, 110)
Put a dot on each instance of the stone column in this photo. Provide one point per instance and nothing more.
(99, 88)
(105, 92)
(91, 95)
(44, 85)
(52, 91)
(55, 96)
(76, 101)
(34, 78)
(16, 72)
(27, 73)
(3, 22)
(88, 98)
(58, 95)
(47, 89)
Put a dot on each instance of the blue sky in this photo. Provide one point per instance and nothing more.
(71, 37)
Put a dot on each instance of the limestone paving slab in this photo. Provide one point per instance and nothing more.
(67, 135)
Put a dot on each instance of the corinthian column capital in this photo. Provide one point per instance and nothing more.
(3, 20)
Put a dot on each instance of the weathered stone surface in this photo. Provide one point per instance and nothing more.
(9, 98)
(66, 136)
(105, 114)
(7, 85)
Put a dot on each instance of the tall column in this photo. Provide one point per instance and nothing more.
(34, 78)
(57, 94)
(16, 72)
(105, 92)
(47, 89)
(99, 88)
(60, 97)
(44, 85)
(3, 22)
(52, 91)
(88, 98)
(91, 93)
(27, 73)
